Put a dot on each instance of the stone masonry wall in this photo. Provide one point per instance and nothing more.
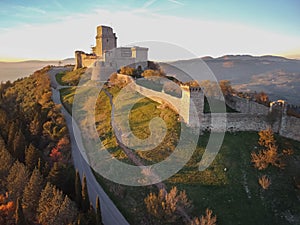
(246, 106)
(290, 127)
(253, 116)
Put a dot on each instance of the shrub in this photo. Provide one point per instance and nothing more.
(264, 182)
(207, 219)
(164, 205)
(266, 138)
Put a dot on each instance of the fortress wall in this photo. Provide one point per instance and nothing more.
(234, 122)
(88, 60)
(254, 116)
(290, 127)
(246, 106)
(172, 102)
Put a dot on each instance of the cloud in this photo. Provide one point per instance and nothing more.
(176, 2)
(148, 3)
(60, 39)
(30, 9)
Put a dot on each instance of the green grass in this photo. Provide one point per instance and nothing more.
(222, 191)
(71, 78)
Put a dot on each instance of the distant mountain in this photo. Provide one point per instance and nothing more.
(279, 77)
(14, 70)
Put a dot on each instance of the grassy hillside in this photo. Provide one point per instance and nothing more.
(229, 186)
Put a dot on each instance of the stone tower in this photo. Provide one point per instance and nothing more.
(192, 104)
(105, 40)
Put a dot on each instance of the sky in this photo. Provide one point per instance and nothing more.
(42, 29)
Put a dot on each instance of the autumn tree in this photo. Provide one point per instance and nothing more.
(7, 210)
(266, 138)
(127, 70)
(17, 179)
(207, 219)
(151, 73)
(226, 87)
(31, 193)
(164, 205)
(264, 182)
(56, 155)
(270, 154)
(262, 98)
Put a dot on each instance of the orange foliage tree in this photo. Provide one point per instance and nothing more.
(7, 209)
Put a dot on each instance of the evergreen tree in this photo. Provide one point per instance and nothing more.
(78, 189)
(44, 203)
(17, 179)
(12, 130)
(85, 195)
(67, 212)
(35, 126)
(6, 161)
(32, 193)
(20, 219)
(55, 208)
(32, 156)
(18, 146)
(98, 212)
(55, 175)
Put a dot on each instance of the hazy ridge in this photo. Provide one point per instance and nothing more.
(279, 77)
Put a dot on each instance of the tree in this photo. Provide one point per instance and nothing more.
(7, 210)
(17, 179)
(98, 212)
(165, 205)
(6, 160)
(67, 212)
(127, 70)
(32, 156)
(55, 155)
(55, 175)
(85, 195)
(32, 193)
(35, 126)
(267, 156)
(78, 189)
(226, 87)
(18, 145)
(151, 73)
(20, 219)
(12, 130)
(264, 182)
(208, 219)
(266, 138)
(262, 98)
(55, 208)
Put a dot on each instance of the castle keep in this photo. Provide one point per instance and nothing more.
(108, 57)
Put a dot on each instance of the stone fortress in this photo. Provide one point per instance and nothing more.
(250, 116)
(107, 58)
